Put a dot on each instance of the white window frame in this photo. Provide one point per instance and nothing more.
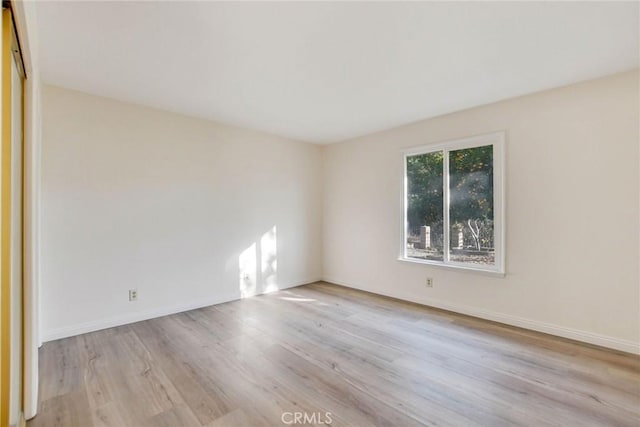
(497, 140)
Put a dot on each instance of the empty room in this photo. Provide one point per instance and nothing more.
(320, 213)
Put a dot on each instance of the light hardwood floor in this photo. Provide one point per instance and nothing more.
(365, 359)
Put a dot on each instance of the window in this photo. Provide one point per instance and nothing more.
(453, 204)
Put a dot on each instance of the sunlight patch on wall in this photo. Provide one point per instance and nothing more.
(269, 255)
(248, 272)
(258, 266)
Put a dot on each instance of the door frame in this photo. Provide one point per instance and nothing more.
(11, 53)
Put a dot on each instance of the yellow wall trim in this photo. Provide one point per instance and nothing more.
(8, 42)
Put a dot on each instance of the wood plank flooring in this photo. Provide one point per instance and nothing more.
(316, 349)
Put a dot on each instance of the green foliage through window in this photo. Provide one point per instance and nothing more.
(470, 205)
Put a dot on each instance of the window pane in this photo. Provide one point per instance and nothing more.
(471, 206)
(425, 225)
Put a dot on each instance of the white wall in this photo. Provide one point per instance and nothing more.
(180, 209)
(172, 206)
(572, 214)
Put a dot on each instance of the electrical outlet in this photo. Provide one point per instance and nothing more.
(429, 282)
(133, 295)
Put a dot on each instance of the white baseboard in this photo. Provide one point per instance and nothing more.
(110, 322)
(534, 325)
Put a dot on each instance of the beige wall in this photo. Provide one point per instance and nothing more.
(179, 209)
(175, 207)
(572, 231)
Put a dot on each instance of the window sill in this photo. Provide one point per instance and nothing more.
(485, 272)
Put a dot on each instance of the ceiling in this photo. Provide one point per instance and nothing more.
(328, 71)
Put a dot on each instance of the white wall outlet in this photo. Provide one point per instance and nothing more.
(429, 282)
(133, 295)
